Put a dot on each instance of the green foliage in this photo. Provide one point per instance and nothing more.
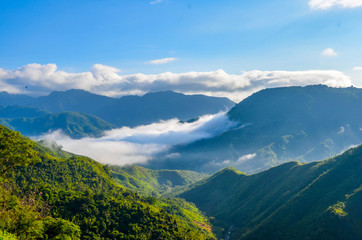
(75, 125)
(320, 200)
(60, 229)
(65, 196)
(154, 182)
(25, 217)
(14, 151)
(7, 236)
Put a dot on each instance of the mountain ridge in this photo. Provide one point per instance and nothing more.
(277, 125)
(289, 201)
(127, 110)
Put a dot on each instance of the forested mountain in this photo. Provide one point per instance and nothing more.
(49, 194)
(16, 111)
(7, 99)
(319, 200)
(127, 110)
(75, 125)
(154, 182)
(275, 126)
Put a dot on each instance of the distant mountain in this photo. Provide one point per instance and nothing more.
(278, 125)
(128, 110)
(153, 107)
(16, 111)
(320, 200)
(7, 99)
(154, 182)
(75, 125)
(73, 100)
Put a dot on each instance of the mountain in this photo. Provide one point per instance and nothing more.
(128, 110)
(75, 125)
(275, 126)
(153, 107)
(154, 182)
(7, 99)
(16, 111)
(75, 101)
(48, 194)
(319, 200)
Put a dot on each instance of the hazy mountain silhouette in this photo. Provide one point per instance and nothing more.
(127, 110)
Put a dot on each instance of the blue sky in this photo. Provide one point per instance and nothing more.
(200, 36)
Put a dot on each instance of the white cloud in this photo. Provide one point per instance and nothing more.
(156, 2)
(326, 4)
(106, 80)
(358, 68)
(245, 158)
(329, 52)
(341, 130)
(138, 145)
(162, 60)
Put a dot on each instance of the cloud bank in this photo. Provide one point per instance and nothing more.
(37, 79)
(326, 4)
(138, 145)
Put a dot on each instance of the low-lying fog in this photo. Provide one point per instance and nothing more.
(138, 145)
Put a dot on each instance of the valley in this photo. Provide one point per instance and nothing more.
(180, 120)
(283, 192)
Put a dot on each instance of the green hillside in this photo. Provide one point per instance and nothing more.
(154, 182)
(319, 200)
(278, 125)
(75, 125)
(56, 195)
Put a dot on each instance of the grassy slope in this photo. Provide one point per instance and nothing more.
(291, 201)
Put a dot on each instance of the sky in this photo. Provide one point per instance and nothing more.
(220, 48)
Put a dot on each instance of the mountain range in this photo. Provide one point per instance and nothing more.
(125, 111)
(277, 195)
(319, 200)
(277, 125)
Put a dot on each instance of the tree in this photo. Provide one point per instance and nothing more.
(15, 150)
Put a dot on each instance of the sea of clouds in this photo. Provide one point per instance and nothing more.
(126, 145)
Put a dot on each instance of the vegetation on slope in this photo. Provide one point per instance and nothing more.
(154, 182)
(292, 201)
(75, 125)
(276, 126)
(75, 197)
